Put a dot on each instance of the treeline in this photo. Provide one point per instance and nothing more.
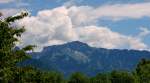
(31, 75)
(10, 56)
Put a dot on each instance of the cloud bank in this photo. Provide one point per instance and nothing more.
(62, 24)
(88, 14)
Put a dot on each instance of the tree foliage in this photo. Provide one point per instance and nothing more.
(78, 77)
(143, 71)
(101, 78)
(122, 77)
(8, 56)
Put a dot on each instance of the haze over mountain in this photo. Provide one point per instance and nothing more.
(77, 56)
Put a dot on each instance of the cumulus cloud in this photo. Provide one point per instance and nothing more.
(70, 3)
(57, 26)
(48, 27)
(144, 32)
(9, 11)
(87, 14)
(122, 11)
(104, 37)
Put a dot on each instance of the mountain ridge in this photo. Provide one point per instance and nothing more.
(80, 57)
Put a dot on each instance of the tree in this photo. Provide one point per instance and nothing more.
(143, 71)
(78, 78)
(52, 77)
(101, 78)
(8, 55)
(122, 77)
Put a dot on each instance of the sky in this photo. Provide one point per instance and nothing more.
(112, 24)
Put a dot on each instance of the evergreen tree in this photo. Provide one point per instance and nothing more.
(122, 77)
(101, 78)
(78, 77)
(52, 77)
(8, 55)
(143, 71)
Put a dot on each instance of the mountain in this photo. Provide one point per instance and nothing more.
(78, 56)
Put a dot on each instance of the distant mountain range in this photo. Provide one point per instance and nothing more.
(78, 56)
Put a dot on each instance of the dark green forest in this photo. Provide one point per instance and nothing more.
(11, 73)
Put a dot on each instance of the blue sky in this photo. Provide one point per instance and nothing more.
(126, 26)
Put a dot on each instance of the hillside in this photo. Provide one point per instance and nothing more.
(78, 56)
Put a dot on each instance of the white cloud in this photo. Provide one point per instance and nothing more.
(144, 32)
(88, 14)
(70, 3)
(48, 27)
(9, 11)
(56, 26)
(104, 37)
(6, 1)
(122, 11)
(137, 44)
